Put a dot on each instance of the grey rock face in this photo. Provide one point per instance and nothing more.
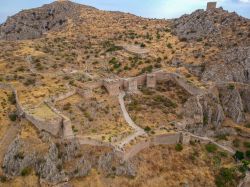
(231, 102)
(245, 97)
(48, 167)
(15, 160)
(195, 26)
(202, 113)
(111, 164)
(212, 25)
(33, 23)
(235, 66)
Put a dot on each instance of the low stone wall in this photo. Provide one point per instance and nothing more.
(134, 150)
(52, 126)
(63, 96)
(66, 125)
(89, 141)
(164, 139)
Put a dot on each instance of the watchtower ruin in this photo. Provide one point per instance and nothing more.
(211, 5)
(151, 80)
(112, 86)
(132, 85)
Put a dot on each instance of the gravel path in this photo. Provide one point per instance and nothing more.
(138, 131)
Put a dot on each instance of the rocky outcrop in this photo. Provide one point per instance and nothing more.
(213, 25)
(33, 23)
(231, 102)
(49, 166)
(208, 111)
(202, 113)
(15, 160)
(235, 66)
(112, 164)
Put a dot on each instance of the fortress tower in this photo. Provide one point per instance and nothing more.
(211, 5)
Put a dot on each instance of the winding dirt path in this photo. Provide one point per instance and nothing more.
(225, 148)
(138, 130)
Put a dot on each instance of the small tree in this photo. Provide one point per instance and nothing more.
(178, 147)
(247, 153)
(239, 155)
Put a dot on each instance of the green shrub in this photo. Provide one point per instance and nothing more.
(169, 45)
(30, 82)
(236, 142)
(26, 171)
(147, 129)
(147, 69)
(178, 147)
(231, 87)
(211, 148)
(13, 116)
(226, 177)
(247, 153)
(222, 137)
(246, 144)
(239, 155)
(199, 39)
(67, 106)
(12, 98)
(142, 45)
(3, 179)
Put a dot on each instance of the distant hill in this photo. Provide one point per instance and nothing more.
(32, 23)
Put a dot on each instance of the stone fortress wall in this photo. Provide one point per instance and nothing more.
(115, 86)
(163, 139)
(51, 126)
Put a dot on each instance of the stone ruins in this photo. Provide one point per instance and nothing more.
(211, 5)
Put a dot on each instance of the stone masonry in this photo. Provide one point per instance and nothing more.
(211, 5)
(151, 80)
(112, 86)
(132, 85)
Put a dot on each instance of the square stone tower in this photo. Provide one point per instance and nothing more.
(151, 80)
(112, 86)
(132, 85)
(211, 5)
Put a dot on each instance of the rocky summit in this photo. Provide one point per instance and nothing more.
(105, 98)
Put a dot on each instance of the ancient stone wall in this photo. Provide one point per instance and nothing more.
(113, 86)
(52, 126)
(63, 96)
(66, 125)
(89, 141)
(132, 85)
(164, 139)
